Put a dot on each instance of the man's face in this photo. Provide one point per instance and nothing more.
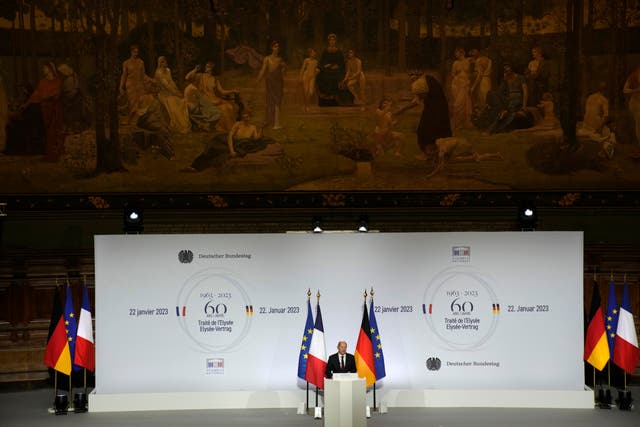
(342, 347)
(135, 52)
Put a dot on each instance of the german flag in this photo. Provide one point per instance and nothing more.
(364, 351)
(596, 347)
(57, 354)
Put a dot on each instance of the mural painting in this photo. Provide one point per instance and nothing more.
(302, 95)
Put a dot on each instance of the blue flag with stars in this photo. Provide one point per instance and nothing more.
(378, 355)
(71, 325)
(306, 341)
(611, 318)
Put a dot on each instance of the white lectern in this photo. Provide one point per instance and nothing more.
(345, 401)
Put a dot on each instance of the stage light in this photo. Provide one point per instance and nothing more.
(317, 226)
(61, 403)
(527, 217)
(363, 226)
(132, 219)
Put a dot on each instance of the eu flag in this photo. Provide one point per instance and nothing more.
(71, 325)
(378, 355)
(306, 341)
(611, 318)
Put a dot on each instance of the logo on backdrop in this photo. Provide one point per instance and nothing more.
(460, 307)
(212, 310)
(461, 254)
(185, 256)
(433, 364)
(215, 366)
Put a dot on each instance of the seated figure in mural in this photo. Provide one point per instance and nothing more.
(244, 138)
(507, 106)
(151, 126)
(171, 98)
(354, 79)
(331, 73)
(596, 122)
(75, 107)
(222, 98)
(203, 114)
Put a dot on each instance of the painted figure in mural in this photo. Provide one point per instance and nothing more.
(133, 78)
(308, 73)
(384, 135)
(434, 120)
(595, 125)
(210, 86)
(332, 71)
(354, 79)
(75, 108)
(596, 110)
(47, 96)
(152, 128)
(171, 98)
(244, 138)
(4, 114)
(632, 88)
(26, 134)
(537, 76)
(273, 69)
(547, 107)
(460, 91)
(203, 114)
(482, 80)
(507, 104)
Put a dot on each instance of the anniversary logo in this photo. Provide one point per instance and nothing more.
(461, 307)
(212, 310)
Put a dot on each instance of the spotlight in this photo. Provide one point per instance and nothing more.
(363, 226)
(527, 217)
(61, 403)
(132, 220)
(317, 226)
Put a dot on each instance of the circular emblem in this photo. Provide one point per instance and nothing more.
(214, 310)
(461, 307)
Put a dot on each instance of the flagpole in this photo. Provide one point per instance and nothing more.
(374, 383)
(595, 396)
(308, 301)
(55, 385)
(318, 302)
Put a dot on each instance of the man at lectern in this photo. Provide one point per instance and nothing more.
(340, 362)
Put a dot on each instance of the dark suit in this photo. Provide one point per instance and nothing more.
(333, 364)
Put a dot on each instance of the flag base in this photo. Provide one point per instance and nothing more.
(317, 414)
(367, 411)
(624, 400)
(302, 409)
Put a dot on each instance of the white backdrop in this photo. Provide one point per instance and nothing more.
(179, 313)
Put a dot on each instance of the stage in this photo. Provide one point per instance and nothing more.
(30, 408)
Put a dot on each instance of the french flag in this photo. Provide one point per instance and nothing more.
(85, 349)
(317, 357)
(626, 353)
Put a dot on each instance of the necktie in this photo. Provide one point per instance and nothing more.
(341, 362)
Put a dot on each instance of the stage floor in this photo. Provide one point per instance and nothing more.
(30, 408)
